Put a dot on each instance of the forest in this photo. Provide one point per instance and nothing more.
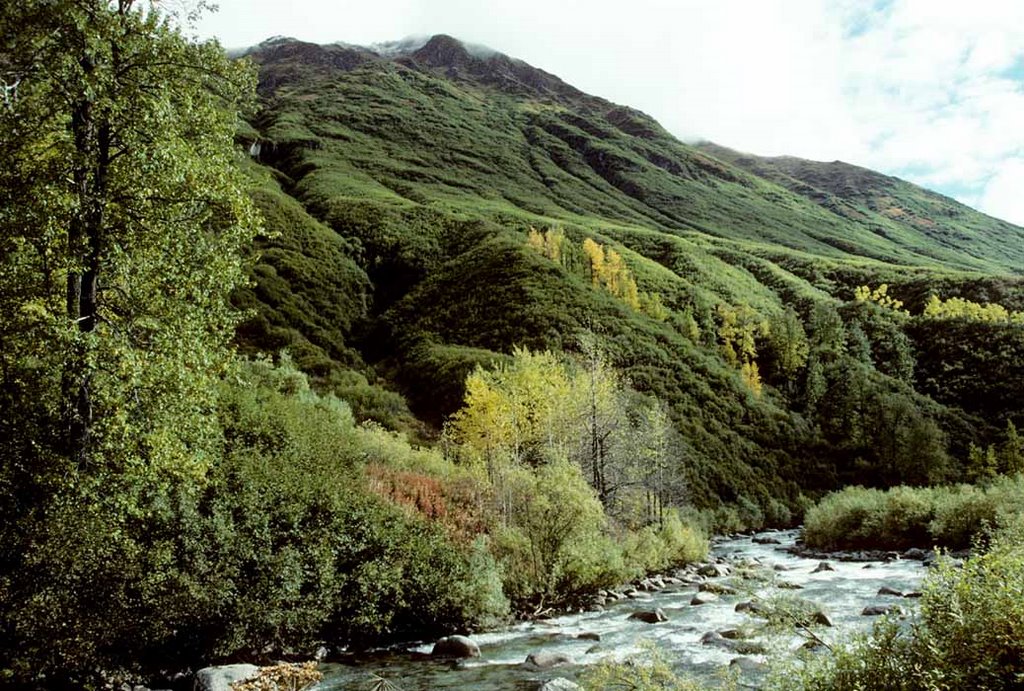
(312, 345)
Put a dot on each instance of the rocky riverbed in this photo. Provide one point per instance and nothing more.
(704, 618)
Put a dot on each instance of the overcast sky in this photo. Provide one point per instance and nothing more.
(928, 90)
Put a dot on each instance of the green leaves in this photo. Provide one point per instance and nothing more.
(140, 198)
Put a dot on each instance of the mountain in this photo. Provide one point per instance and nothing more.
(938, 226)
(403, 181)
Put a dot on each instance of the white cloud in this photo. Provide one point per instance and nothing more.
(1003, 194)
(924, 89)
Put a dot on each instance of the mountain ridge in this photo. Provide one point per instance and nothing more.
(436, 165)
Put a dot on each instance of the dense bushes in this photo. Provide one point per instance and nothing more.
(281, 546)
(858, 518)
(307, 528)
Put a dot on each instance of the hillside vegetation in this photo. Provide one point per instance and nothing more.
(434, 167)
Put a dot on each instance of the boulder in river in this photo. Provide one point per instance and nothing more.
(588, 636)
(221, 678)
(559, 684)
(547, 660)
(886, 590)
(917, 554)
(716, 588)
(752, 607)
(649, 616)
(786, 585)
(765, 540)
(821, 619)
(713, 570)
(748, 665)
(879, 610)
(749, 648)
(717, 640)
(703, 599)
(823, 566)
(456, 646)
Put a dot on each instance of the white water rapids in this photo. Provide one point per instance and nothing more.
(841, 593)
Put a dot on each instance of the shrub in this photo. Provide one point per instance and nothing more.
(554, 545)
(650, 671)
(953, 517)
(843, 519)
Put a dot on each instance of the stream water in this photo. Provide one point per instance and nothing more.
(841, 593)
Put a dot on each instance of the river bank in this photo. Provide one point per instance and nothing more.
(710, 613)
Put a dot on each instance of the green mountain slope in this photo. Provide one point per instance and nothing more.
(403, 184)
(935, 225)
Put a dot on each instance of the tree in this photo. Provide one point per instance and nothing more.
(879, 296)
(123, 215)
(982, 463)
(599, 391)
(595, 253)
(738, 332)
(828, 334)
(550, 243)
(788, 346)
(1011, 452)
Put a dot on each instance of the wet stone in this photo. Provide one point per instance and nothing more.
(455, 646)
(558, 684)
(655, 616)
(748, 665)
(879, 610)
(717, 588)
(704, 598)
(547, 660)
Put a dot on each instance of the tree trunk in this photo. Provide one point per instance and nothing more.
(85, 247)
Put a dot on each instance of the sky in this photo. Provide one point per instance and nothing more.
(928, 90)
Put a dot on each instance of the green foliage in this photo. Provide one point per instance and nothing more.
(879, 296)
(435, 182)
(555, 546)
(961, 308)
(858, 518)
(900, 212)
(673, 542)
(649, 671)
(123, 219)
(283, 546)
(164, 507)
(539, 428)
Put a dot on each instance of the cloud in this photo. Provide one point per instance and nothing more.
(1002, 196)
(930, 90)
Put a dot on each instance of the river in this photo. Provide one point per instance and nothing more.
(842, 593)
